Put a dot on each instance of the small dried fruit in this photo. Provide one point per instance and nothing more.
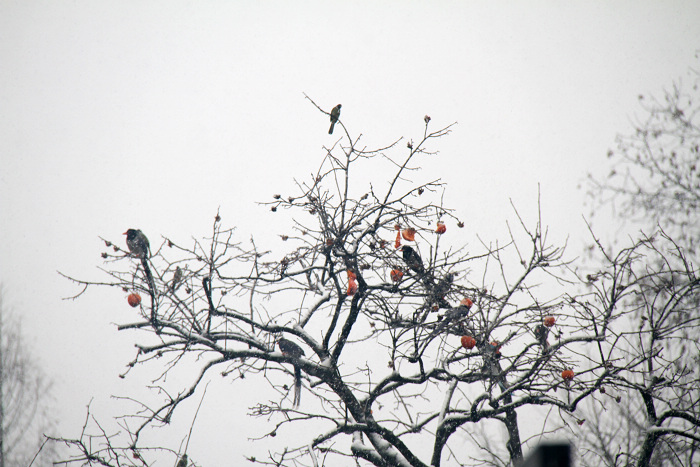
(441, 228)
(134, 299)
(396, 275)
(397, 243)
(468, 342)
(352, 288)
(567, 375)
(549, 321)
(467, 302)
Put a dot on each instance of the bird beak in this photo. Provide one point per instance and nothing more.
(124, 233)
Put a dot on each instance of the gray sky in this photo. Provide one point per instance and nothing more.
(154, 114)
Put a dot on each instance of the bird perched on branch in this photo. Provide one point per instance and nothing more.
(335, 114)
(541, 333)
(177, 277)
(140, 248)
(182, 462)
(412, 259)
(137, 243)
(457, 313)
(290, 349)
(442, 289)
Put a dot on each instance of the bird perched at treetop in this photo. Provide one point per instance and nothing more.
(182, 462)
(290, 349)
(335, 114)
(412, 259)
(137, 243)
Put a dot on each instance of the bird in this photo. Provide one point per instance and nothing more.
(541, 333)
(412, 259)
(182, 462)
(137, 243)
(335, 114)
(491, 367)
(140, 248)
(442, 289)
(177, 277)
(457, 313)
(290, 349)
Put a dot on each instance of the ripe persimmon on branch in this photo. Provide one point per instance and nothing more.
(401, 338)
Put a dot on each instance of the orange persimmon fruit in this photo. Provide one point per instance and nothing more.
(134, 299)
(468, 342)
(396, 275)
(409, 234)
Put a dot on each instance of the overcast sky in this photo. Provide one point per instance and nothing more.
(153, 115)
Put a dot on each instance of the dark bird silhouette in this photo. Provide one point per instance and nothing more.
(491, 366)
(335, 114)
(137, 243)
(290, 349)
(442, 289)
(457, 313)
(412, 259)
(183, 461)
(177, 277)
(140, 248)
(541, 333)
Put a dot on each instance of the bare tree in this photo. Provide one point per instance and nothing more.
(399, 335)
(25, 404)
(655, 183)
(655, 419)
(654, 179)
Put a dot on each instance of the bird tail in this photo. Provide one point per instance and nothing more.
(297, 386)
(330, 130)
(151, 289)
